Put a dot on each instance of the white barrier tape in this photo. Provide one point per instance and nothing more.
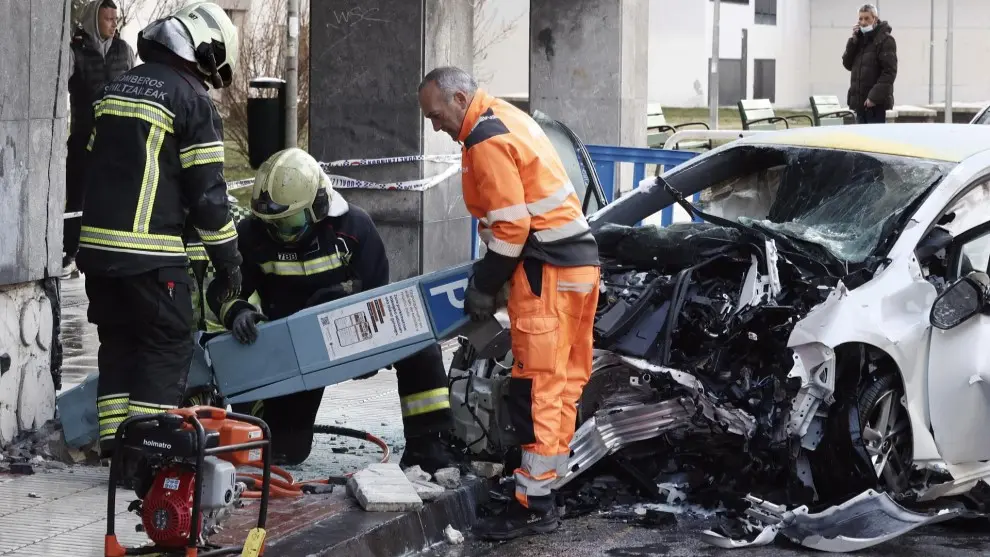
(450, 159)
(343, 182)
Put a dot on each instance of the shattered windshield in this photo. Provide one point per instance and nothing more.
(846, 202)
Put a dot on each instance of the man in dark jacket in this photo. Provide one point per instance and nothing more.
(871, 58)
(97, 56)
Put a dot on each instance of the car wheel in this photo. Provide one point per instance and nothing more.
(886, 432)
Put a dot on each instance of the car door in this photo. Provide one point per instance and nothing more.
(577, 162)
(959, 358)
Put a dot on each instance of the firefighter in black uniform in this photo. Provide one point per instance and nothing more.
(156, 161)
(304, 245)
(97, 56)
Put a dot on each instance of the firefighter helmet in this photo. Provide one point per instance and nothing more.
(201, 33)
(291, 192)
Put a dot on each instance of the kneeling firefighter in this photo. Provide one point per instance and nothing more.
(304, 245)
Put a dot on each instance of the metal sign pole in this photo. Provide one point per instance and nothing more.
(948, 66)
(931, 56)
(292, 74)
(713, 70)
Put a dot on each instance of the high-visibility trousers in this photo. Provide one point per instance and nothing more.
(552, 311)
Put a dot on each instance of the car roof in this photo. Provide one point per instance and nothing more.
(945, 142)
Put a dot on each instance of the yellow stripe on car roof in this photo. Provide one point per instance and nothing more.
(848, 141)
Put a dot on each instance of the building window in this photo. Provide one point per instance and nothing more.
(765, 79)
(766, 12)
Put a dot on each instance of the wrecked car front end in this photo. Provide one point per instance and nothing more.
(717, 358)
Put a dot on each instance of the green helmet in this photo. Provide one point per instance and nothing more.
(201, 33)
(291, 192)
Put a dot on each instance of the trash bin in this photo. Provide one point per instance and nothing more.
(266, 119)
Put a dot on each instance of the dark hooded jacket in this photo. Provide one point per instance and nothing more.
(95, 62)
(871, 59)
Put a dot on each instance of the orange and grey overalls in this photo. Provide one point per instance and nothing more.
(538, 240)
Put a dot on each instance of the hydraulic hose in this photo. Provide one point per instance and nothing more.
(284, 486)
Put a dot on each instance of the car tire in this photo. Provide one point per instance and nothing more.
(885, 428)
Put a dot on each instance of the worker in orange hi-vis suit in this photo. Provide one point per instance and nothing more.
(539, 242)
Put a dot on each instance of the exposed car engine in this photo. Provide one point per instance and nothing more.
(691, 344)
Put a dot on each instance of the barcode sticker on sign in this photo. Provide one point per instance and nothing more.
(373, 323)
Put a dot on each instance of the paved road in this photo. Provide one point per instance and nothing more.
(594, 536)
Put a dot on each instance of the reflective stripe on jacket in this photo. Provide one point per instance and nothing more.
(515, 184)
(156, 162)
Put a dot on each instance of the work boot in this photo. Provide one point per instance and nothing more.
(429, 452)
(291, 447)
(517, 521)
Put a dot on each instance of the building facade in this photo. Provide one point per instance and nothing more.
(784, 50)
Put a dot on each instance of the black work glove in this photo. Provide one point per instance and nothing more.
(245, 327)
(477, 304)
(231, 279)
(502, 298)
(334, 292)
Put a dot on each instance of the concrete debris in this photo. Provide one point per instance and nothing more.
(339, 450)
(79, 457)
(454, 537)
(449, 478)
(41, 445)
(415, 473)
(487, 469)
(21, 468)
(427, 490)
(319, 489)
(34, 495)
(384, 488)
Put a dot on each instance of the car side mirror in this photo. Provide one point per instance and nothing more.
(961, 300)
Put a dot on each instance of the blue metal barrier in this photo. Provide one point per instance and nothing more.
(605, 158)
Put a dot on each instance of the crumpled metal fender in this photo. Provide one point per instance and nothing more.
(814, 366)
(889, 313)
(614, 428)
(866, 520)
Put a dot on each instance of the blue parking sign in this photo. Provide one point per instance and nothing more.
(444, 295)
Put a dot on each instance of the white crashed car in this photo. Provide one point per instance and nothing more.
(809, 344)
